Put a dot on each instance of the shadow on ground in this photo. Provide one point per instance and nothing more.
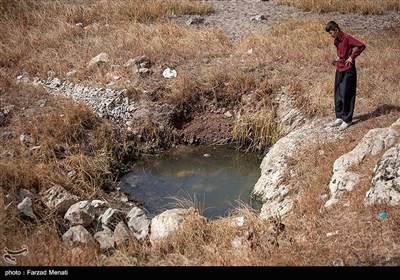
(381, 110)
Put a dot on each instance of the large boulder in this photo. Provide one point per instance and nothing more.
(168, 222)
(385, 183)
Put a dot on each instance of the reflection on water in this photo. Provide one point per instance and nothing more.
(214, 178)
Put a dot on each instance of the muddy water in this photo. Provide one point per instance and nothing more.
(215, 179)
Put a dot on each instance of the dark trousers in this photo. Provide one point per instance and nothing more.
(345, 94)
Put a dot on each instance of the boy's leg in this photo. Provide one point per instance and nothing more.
(339, 94)
(349, 94)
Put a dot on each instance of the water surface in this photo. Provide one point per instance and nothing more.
(216, 179)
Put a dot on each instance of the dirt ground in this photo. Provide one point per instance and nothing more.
(234, 19)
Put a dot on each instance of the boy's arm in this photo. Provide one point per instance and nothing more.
(358, 47)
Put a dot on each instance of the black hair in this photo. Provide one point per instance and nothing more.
(331, 26)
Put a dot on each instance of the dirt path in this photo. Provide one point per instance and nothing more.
(233, 17)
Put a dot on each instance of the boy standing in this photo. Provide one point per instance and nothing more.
(348, 49)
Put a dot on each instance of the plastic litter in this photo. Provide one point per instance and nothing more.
(169, 73)
(382, 215)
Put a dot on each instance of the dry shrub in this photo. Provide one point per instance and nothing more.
(69, 127)
(154, 134)
(18, 174)
(63, 133)
(170, 44)
(185, 92)
(62, 136)
(148, 11)
(120, 10)
(312, 169)
(187, 201)
(119, 146)
(243, 239)
(226, 85)
(256, 132)
(276, 41)
(89, 173)
(391, 5)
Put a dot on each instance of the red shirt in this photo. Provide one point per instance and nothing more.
(344, 46)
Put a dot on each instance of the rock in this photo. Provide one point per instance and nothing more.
(138, 223)
(372, 143)
(25, 207)
(80, 213)
(77, 236)
(121, 234)
(106, 240)
(385, 183)
(59, 199)
(103, 57)
(111, 217)
(169, 221)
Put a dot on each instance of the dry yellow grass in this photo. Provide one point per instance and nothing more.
(364, 7)
(37, 36)
(48, 38)
(256, 132)
(350, 231)
(304, 68)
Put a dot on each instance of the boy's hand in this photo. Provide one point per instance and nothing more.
(348, 61)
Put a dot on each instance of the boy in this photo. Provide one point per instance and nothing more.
(347, 49)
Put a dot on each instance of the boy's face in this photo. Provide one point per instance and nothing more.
(334, 33)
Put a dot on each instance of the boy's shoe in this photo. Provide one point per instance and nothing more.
(344, 126)
(336, 123)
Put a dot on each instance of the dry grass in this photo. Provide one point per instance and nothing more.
(256, 132)
(365, 7)
(49, 39)
(350, 231)
(59, 144)
(185, 92)
(39, 169)
(240, 240)
(62, 141)
(305, 70)
(37, 36)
